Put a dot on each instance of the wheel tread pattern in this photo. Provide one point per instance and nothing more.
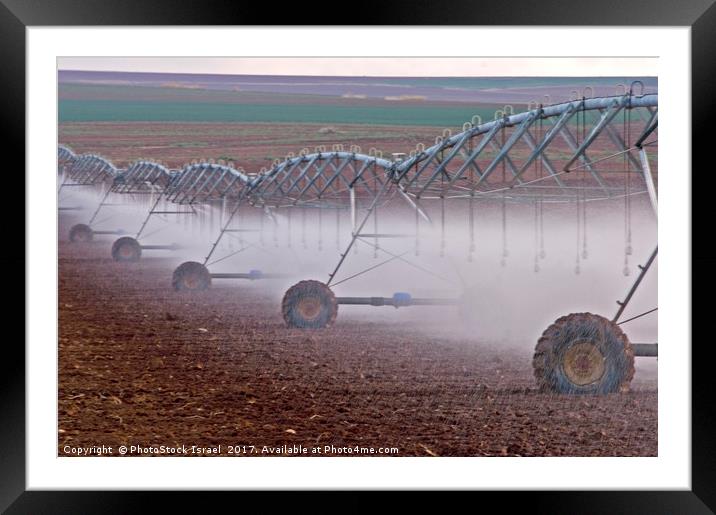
(77, 229)
(309, 285)
(545, 360)
(191, 267)
(126, 240)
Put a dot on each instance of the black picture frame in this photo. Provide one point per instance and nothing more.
(700, 15)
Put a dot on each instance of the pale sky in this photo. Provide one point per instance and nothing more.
(375, 66)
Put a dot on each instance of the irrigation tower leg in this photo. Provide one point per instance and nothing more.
(99, 207)
(649, 179)
(355, 233)
(352, 194)
(644, 269)
(149, 215)
(224, 229)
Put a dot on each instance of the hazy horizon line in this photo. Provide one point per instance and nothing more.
(354, 75)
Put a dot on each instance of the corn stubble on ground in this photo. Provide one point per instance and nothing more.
(141, 363)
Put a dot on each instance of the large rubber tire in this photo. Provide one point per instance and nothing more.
(309, 305)
(81, 233)
(126, 248)
(583, 353)
(191, 276)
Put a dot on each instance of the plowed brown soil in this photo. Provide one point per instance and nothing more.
(140, 364)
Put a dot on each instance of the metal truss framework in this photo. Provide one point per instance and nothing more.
(584, 150)
(87, 170)
(516, 157)
(65, 157)
(587, 149)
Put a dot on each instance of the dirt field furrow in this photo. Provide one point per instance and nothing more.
(140, 363)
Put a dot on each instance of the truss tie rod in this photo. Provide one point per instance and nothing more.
(384, 235)
(369, 269)
(173, 246)
(398, 300)
(601, 159)
(647, 132)
(638, 316)
(252, 275)
(644, 269)
(117, 232)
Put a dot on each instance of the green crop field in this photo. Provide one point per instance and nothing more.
(72, 110)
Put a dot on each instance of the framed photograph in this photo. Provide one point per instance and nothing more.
(398, 256)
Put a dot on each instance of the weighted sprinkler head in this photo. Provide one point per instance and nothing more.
(626, 271)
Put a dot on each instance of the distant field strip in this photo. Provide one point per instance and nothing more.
(71, 110)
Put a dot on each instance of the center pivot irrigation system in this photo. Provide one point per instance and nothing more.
(572, 153)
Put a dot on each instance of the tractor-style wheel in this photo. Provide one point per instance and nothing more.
(126, 248)
(191, 276)
(583, 353)
(81, 233)
(309, 305)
